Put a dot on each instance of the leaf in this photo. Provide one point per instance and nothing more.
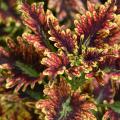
(28, 70)
(77, 82)
(66, 108)
(56, 63)
(118, 7)
(35, 18)
(116, 106)
(33, 94)
(1, 70)
(64, 39)
(96, 25)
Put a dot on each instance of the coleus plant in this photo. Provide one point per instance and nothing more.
(78, 70)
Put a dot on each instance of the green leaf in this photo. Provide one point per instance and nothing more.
(77, 82)
(26, 69)
(3, 6)
(115, 106)
(1, 70)
(34, 94)
(66, 109)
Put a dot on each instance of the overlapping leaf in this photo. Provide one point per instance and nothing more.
(63, 38)
(36, 19)
(56, 63)
(19, 59)
(65, 104)
(12, 107)
(111, 115)
(96, 26)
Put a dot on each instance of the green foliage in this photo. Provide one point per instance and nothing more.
(78, 82)
(66, 109)
(115, 106)
(26, 69)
